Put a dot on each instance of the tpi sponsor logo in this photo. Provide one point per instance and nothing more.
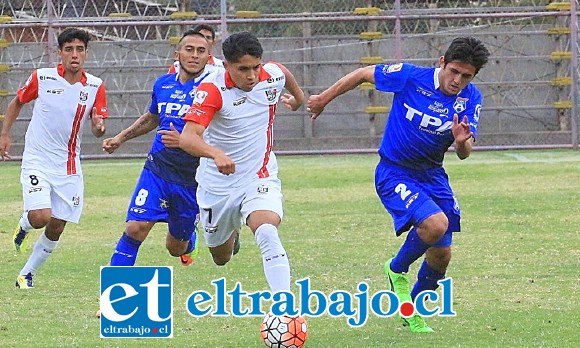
(136, 302)
(356, 307)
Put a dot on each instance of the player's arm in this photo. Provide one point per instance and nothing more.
(317, 102)
(12, 112)
(143, 125)
(295, 98)
(191, 141)
(463, 137)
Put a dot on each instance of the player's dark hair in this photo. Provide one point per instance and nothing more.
(207, 27)
(240, 44)
(190, 32)
(467, 50)
(70, 34)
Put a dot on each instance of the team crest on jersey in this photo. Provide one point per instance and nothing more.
(84, 96)
(199, 97)
(460, 104)
(271, 94)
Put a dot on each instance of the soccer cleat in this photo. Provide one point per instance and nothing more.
(236, 242)
(187, 259)
(20, 239)
(399, 283)
(24, 281)
(416, 323)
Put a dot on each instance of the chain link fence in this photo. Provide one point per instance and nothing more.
(530, 85)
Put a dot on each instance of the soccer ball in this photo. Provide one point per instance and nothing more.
(284, 331)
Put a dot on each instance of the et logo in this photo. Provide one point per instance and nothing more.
(136, 302)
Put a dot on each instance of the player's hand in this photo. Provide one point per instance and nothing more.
(461, 131)
(5, 143)
(290, 101)
(170, 138)
(97, 123)
(111, 144)
(315, 106)
(225, 165)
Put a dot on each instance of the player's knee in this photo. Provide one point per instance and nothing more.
(39, 218)
(174, 252)
(221, 260)
(434, 228)
(138, 230)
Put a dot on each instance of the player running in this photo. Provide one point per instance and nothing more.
(230, 126)
(52, 180)
(432, 109)
(166, 188)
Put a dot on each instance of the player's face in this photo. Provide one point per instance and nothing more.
(454, 76)
(245, 72)
(193, 54)
(73, 55)
(208, 36)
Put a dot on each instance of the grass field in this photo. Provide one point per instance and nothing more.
(515, 265)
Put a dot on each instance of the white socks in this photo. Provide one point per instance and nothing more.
(24, 223)
(41, 251)
(274, 258)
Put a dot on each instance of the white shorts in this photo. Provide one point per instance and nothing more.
(63, 194)
(220, 215)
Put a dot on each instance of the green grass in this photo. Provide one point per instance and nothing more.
(515, 265)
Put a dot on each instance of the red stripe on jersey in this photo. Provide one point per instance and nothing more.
(263, 172)
(71, 167)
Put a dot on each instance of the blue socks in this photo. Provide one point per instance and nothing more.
(126, 252)
(191, 245)
(426, 279)
(410, 251)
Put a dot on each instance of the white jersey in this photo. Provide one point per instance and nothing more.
(239, 123)
(53, 137)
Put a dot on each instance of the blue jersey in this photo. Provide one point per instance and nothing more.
(418, 132)
(170, 100)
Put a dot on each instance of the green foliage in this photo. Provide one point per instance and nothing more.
(515, 264)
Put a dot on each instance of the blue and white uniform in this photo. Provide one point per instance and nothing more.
(410, 179)
(166, 190)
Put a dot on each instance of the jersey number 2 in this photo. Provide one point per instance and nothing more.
(401, 189)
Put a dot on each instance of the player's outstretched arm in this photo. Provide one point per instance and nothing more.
(12, 112)
(317, 102)
(191, 141)
(295, 98)
(143, 125)
(463, 137)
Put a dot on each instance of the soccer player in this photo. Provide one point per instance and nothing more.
(209, 33)
(52, 181)
(230, 127)
(432, 109)
(166, 188)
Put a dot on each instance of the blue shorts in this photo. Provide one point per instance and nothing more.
(157, 200)
(412, 196)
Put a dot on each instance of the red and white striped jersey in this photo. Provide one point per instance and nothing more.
(239, 123)
(53, 137)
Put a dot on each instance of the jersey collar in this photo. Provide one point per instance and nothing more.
(60, 70)
(264, 75)
(436, 78)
